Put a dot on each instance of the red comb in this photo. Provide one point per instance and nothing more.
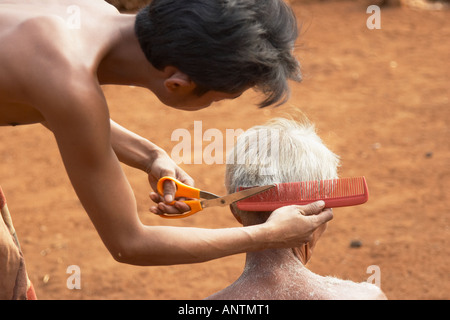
(335, 192)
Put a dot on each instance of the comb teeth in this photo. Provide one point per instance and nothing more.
(335, 192)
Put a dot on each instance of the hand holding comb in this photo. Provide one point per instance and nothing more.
(335, 192)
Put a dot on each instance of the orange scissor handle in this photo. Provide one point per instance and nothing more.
(183, 191)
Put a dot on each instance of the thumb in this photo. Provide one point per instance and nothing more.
(169, 186)
(169, 191)
(312, 208)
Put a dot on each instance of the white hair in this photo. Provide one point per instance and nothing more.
(282, 150)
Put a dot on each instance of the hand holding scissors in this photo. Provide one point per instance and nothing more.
(199, 199)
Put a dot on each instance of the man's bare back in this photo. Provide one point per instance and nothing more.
(39, 44)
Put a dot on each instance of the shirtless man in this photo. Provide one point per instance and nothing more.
(281, 273)
(52, 72)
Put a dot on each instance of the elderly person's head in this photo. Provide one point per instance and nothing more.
(280, 151)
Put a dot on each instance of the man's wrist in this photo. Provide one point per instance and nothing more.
(152, 153)
(133, 149)
(261, 236)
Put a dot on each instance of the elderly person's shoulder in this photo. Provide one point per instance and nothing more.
(339, 289)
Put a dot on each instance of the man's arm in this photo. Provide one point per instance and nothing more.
(286, 228)
(142, 154)
(138, 152)
(132, 149)
(79, 119)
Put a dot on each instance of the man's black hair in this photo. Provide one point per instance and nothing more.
(223, 45)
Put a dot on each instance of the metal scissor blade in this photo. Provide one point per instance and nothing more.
(240, 195)
(208, 195)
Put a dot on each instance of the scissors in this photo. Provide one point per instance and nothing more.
(210, 199)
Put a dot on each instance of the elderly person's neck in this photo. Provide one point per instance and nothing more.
(272, 260)
(275, 273)
(269, 260)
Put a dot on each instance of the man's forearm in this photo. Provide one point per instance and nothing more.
(174, 245)
(287, 227)
(132, 149)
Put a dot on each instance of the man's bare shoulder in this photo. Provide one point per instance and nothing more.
(53, 6)
(36, 51)
(61, 26)
(42, 47)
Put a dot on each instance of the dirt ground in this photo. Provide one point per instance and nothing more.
(379, 99)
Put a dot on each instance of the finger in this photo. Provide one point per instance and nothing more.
(182, 207)
(186, 179)
(169, 191)
(312, 208)
(178, 208)
(161, 209)
(321, 218)
(155, 197)
(154, 210)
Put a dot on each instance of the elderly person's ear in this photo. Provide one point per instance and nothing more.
(235, 214)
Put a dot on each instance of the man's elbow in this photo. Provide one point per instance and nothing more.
(126, 251)
(132, 251)
(121, 255)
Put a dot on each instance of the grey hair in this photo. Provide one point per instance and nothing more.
(282, 150)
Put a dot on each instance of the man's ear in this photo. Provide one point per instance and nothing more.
(177, 81)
